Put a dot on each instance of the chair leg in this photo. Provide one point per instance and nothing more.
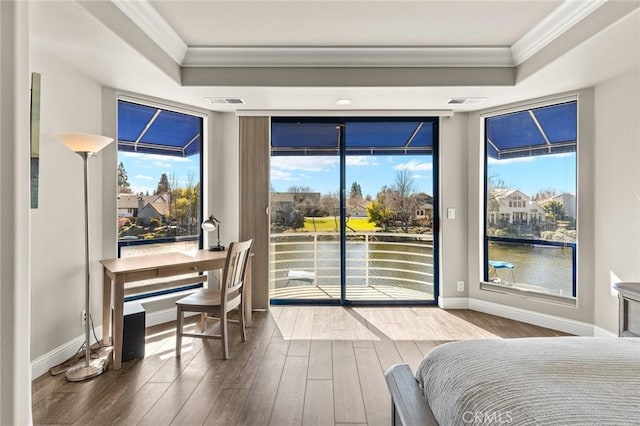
(179, 331)
(224, 335)
(203, 322)
(243, 334)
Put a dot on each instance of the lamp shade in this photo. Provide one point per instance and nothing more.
(210, 224)
(84, 142)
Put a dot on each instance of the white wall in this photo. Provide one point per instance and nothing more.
(617, 192)
(71, 102)
(15, 372)
(453, 194)
(223, 180)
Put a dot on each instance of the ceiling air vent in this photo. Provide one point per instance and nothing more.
(225, 101)
(465, 101)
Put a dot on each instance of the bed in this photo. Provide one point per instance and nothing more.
(530, 381)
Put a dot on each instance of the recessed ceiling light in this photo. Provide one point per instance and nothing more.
(465, 101)
(343, 101)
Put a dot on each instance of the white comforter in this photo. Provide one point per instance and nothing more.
(534, 381)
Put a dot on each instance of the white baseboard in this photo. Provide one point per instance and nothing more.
(603, 332)
(578, 328)
(59, 355)
(453, 302)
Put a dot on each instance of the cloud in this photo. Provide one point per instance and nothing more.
(280, 175)
(414, 166)
(159, 164)
(496, 162)
(156, 157)
(417, 176)
(143, 177)
(529, 159)
(361, 160)
(308, 164)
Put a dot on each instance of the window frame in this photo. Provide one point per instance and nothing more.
(485, 283)
(202, 193)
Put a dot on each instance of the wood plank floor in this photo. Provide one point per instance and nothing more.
(301, 365)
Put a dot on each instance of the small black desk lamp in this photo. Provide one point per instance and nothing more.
(212, 224)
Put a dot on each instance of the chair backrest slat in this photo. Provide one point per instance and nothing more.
(235, 269)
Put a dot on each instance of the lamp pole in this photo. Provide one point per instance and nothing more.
(89, 368)
(85, 145)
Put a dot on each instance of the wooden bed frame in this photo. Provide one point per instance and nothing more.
(408, 404)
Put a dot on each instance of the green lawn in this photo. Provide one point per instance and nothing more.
(328, 224)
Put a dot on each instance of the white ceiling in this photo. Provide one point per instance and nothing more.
(352, 23)
(552, 46)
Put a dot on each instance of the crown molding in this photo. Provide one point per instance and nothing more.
(147, 18)
(348, 57)
(565, 16)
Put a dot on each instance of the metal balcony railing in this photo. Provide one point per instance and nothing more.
(398, 260)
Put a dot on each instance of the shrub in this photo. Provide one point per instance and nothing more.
(154, 222)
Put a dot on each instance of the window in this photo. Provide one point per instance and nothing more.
(159, 180)
(530, 166)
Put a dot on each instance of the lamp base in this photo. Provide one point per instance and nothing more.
(216, 248)
(80, 371)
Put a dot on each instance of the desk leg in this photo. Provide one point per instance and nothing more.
(118, 322)
(248, 312)
(106, 309)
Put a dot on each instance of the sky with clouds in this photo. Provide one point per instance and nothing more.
(532, 174)
(321, 173)
(144, 170)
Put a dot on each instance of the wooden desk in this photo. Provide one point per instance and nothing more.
(119, 272)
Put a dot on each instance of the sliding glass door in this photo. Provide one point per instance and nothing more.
(352, 210)
(388, 224)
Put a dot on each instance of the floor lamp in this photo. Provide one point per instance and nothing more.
(85, 145)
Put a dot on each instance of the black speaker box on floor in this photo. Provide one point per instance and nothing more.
(133, 331)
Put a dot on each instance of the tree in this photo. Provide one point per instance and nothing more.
(545, 194)
(356, 191)
(379, 213)
(402, 202)
(555, 210)
(124, 187)
(494, 183)
(330, 206)
(379, 210)
(163, 185)
(355, 203)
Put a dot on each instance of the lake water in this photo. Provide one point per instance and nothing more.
(548, 267)
(410, 265)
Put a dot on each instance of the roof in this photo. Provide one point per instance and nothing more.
(502, 192)
(128, 201)
(160, 207)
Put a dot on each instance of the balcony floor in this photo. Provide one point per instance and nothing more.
(354, 293)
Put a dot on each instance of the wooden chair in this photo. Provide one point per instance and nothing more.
(217, 303)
